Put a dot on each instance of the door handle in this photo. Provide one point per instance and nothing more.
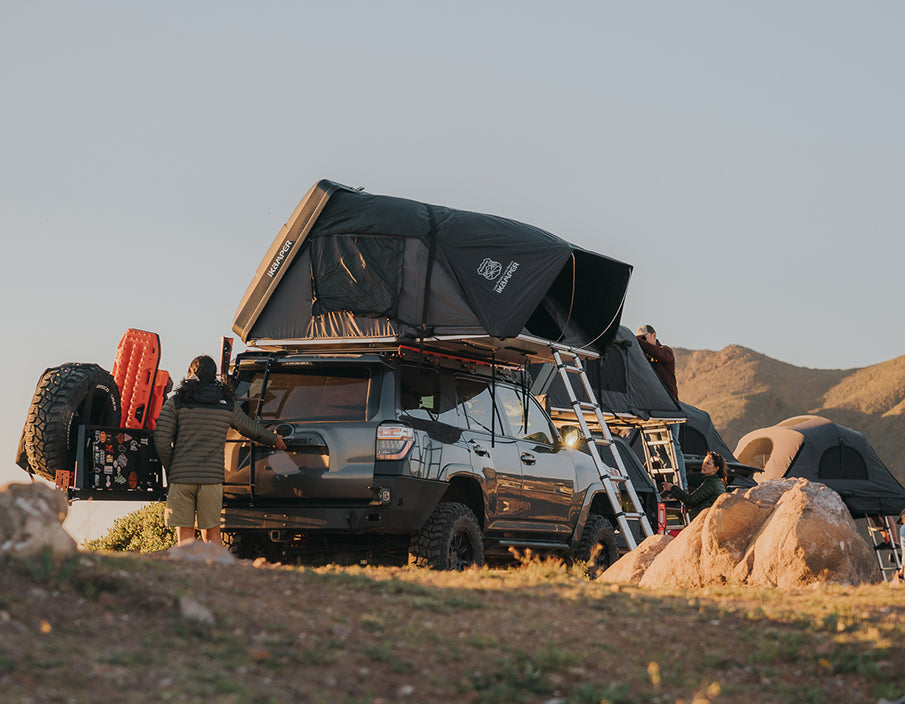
(528, 458)
(478, 450)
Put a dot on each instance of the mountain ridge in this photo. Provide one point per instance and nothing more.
(744, 390)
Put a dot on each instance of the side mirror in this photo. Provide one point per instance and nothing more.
(571, 436)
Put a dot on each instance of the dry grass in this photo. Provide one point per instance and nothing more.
(106, 628)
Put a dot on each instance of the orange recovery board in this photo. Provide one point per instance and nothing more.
(141, 385)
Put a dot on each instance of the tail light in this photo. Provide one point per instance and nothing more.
(394, 440)
(661, 518)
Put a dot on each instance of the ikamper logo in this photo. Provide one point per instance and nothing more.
(275, 265)
(491, 271)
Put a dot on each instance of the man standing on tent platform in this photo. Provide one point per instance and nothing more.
(663, 360)
(661, 357)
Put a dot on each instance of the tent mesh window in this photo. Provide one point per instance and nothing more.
(613, 376)
(692, 441)
(842, 462)
(360, 274)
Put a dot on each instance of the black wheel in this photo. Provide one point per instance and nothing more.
(66, 397)
(597, 547)
(240, 545)
(450, 540)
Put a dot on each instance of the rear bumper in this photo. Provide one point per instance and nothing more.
(411, 502)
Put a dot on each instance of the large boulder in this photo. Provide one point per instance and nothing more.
(630, 568)
(786, 533)
(31, 519)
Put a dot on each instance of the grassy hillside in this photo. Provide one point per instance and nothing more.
(144, 628)
(744, 390)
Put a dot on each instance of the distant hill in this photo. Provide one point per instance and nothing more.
(743, 390)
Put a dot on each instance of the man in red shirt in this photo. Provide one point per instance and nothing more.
(663, 360)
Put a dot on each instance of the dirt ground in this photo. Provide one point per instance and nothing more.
(146, 628)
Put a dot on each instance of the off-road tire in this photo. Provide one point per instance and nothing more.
(66, 397)
(597, 547)
(450, 540)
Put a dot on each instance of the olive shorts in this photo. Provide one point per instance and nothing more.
(185, 500)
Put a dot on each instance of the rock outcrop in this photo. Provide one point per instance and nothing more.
(630, 568)
(31, 519)
(786, 533)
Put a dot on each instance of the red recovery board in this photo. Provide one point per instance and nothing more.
(141, 385)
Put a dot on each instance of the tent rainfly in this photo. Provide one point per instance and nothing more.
(819, 450)
(349, 265)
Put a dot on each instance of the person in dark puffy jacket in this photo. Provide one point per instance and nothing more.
(708, 491)
(190, 439)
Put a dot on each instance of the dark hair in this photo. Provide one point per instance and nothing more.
(720, 464)
(202, 372)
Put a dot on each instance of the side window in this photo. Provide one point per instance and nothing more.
(539, 428)
(424, 394)
(476, 402)
(513, 409)
(419, 392)
(527, 422)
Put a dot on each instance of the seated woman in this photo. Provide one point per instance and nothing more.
(714, 485)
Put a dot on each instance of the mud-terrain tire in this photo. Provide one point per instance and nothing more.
(240, 545)
(66, 397)
(597, 547)
(450, 540)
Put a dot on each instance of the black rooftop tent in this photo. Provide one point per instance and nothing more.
(698, 435)
(819, 450)
(624, 383)
(349, 265)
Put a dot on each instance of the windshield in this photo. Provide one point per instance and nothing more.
(321, 394)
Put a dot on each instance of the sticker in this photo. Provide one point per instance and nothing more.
(133, 479)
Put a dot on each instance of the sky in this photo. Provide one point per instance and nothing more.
(746, 158)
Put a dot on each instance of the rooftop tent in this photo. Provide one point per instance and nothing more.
(822, 451)
(624, 383)
(698, 435)
(349, 265)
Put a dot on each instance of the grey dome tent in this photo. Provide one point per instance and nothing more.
(819, 450)
(352, 266)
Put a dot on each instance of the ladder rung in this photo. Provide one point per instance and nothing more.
(655, 443)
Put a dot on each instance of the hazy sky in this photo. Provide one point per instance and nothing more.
(745, 157)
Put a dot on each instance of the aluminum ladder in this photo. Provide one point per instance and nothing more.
(884, 535)
(614, 480)
(657, 437)
(662, 464)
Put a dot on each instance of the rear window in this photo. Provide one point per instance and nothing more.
(322, 394)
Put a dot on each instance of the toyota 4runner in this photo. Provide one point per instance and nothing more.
(408, 455)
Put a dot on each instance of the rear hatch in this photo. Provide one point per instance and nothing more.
(327, 410)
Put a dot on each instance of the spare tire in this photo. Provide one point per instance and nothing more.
(67, 396)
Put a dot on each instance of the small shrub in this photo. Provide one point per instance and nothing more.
(140, 531)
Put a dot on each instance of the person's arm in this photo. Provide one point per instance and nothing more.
(661, 353)
(165, 433)
(254, 430)
(703, 493)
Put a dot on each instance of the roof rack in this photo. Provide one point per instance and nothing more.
(477, 348)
